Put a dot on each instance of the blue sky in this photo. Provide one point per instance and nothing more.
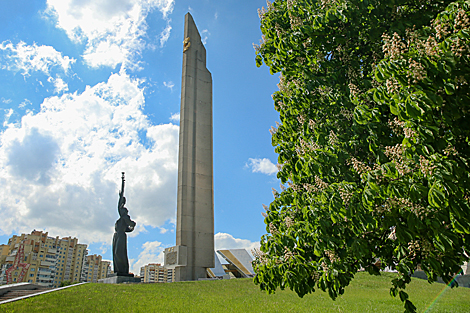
(89, 89)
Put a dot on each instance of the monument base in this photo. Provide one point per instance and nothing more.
(120, 279)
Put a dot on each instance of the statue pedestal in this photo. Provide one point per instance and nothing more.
(120, 279)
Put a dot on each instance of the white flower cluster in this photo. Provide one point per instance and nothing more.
(459, 47)
(293, 186)
(346, 113)
(395, 154)
(282, 83)
(450, 150)
(359, 167)
(332, 256)
(416, 73)
(345, 195)
(318, 186)
(422, 247)
(441, 30)
(353, 90)
(289, 221)
(272, 130)
(332, 138)
(261, 43)
(262, 12)
(315, 276)
(275, 193)
(301, 119)
(273, 229)
(311, 124)
(290, 4)
(461, 20)
(288, 255)
(392, 85)
(431, 47)
(425, 166)
(401, 203)
(399, 128)
(393, 234)
(393, 47)
(305, 147)
(410, 133)
(260, 256)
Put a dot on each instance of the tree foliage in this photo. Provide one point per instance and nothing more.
(373, 142)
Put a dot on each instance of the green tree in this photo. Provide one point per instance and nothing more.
(373, 142)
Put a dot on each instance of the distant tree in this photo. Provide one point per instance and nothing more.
(65, 283)
(373, 142)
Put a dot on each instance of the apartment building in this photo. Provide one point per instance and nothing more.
(3, 253)
(43, 260)
(156, 273)
(95, 268)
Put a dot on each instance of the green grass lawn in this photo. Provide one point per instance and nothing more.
(365, 294)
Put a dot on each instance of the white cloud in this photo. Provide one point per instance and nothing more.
(169, 85)
(6, 101)
(60, 168)
(175, 117)
(59, 84)
(227, 241)
(165, 35)
(25, 103)
(106, 53)
(113, 29)
(205, 35)
(152, 252)
(104, 248)
(26, 58)
(8, 114)
(264, 166)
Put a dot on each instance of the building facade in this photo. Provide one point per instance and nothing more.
(40, 259)
(156, 273)
(95, 268)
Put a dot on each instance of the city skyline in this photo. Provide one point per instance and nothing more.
(91, 90)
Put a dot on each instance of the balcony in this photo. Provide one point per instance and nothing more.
(44, 271)
(47, 263)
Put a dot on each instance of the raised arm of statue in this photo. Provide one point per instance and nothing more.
(122, 199)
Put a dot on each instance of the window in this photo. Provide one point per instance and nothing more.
(31, 275)
(33, 269)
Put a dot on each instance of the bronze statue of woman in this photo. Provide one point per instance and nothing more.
(123, 224)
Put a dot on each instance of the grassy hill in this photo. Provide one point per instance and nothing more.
(365, 294)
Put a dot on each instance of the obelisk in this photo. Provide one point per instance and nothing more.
(195, 202)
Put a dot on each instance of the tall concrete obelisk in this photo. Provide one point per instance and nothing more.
(195, 202)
